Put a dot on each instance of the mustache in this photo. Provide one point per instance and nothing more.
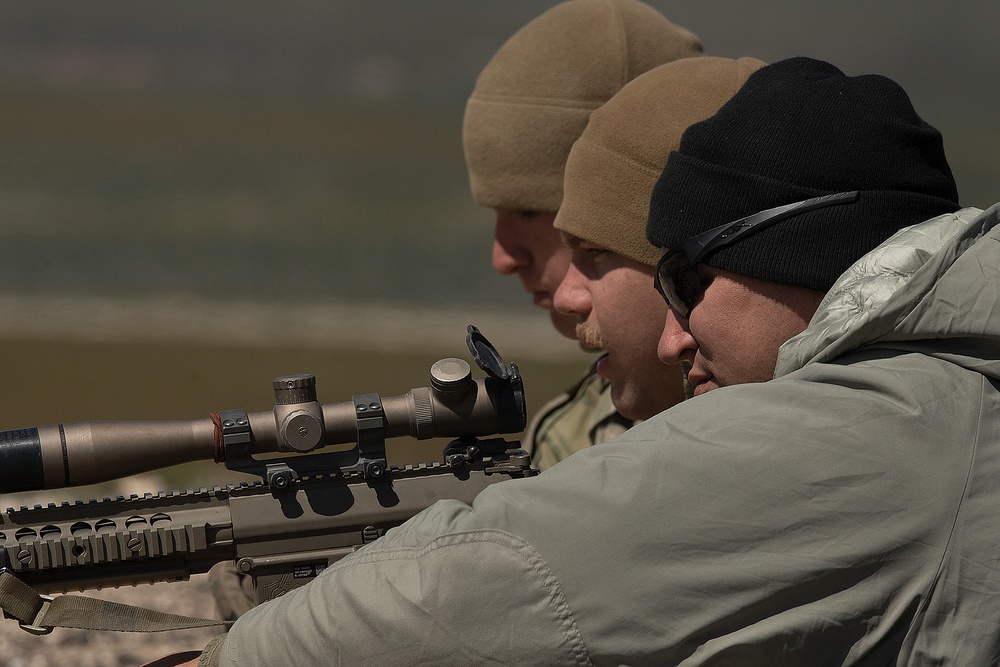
(589, 336)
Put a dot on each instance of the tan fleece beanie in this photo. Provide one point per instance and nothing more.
(616, 162)
(533, 99)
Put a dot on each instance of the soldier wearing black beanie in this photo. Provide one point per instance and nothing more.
(837, 508)
(799, 129)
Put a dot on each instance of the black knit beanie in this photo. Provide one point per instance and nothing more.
(798, 129)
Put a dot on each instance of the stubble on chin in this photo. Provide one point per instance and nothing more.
(590, 336)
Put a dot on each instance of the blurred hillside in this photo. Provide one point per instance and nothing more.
(311, 150)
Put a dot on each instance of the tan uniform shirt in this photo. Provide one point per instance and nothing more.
(577, 419)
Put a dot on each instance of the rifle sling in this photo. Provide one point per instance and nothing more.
(39, 614)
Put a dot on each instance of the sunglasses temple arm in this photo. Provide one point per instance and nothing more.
(716, 237)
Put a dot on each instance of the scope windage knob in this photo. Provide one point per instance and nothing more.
(292, 389)
(301, 430)
(298, 416)
(451, 378)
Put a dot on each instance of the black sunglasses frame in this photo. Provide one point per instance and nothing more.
(676, 279)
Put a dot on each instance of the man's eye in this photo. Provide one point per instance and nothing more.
(585, 254)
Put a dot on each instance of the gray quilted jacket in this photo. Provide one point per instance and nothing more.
(845, 513)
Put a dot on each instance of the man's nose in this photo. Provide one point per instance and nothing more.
(572, 296)
(508, 258)
(676, 343)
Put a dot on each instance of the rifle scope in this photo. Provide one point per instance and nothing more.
(455, 405)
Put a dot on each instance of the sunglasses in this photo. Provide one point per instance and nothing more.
(676, 279)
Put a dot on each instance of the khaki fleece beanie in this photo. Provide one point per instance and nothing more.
(533, 99)
(614, 165)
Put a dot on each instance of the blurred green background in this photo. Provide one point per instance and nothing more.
(278, 157)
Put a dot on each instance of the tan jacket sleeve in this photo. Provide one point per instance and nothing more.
(410, 601)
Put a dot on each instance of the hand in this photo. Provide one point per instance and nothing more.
(182, 659)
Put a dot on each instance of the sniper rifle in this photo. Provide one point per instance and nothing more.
(308, 507)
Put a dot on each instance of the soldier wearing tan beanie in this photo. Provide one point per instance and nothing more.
(610, 174)
(530, 103)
